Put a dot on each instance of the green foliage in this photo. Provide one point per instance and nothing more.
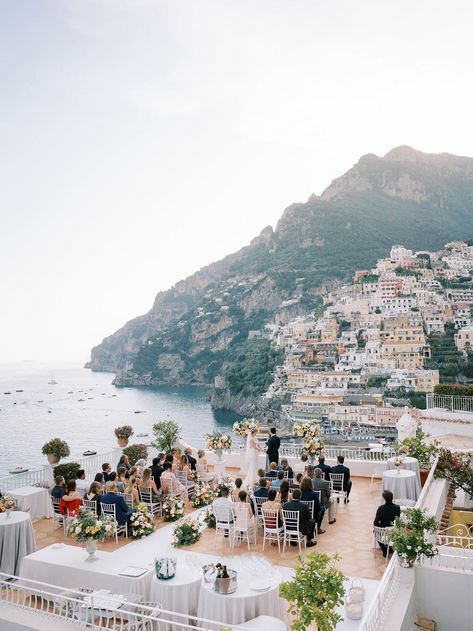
(251, 370)
(124, 431)
(136, 452)
(186, 532)
(56, 446)
(405, 271)
(457, 469)
(377, 382)
(417, 447)
(166, 435)
(315, 592)
(454, 389)
(68, 470)
(447, 359)
(408, 536)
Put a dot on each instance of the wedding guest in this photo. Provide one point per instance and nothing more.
(201, 459)
(241, 507)
(272, 504)
(176, 456)
(272, 473)
(124, 462)
(106, 470)
(306, 523)
(284, 491)
(121, 479)
(140, 467)
(81, 483)
(148, 484)
(94, 494)
(261, 473)
(184, 467)
(309, 471)
(100, 478)
(168, 458)
(122, 510)
(262, 490)
(284, 466)
(132, 473)
(171, 485)
(309, 495)
(236, 491)
(345, 471)
(132, 489)
(157, 469)
(301, 465)
(297, 480)
(324, 468)
(224, 501)
(319, 484)
(72, 501)
(191, 461)
(276, 483)
(60, 487)
(385, 516)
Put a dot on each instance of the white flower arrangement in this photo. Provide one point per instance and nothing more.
(245, 426)
(173, 509)
(86, 526)
(398, 461)
(310, 434)
(141, 523)
(186, 532)
(217, 440)
(203, 496)
(7, 503)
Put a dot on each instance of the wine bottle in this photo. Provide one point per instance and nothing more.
(225, 573)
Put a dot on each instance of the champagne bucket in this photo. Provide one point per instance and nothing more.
(226, 585)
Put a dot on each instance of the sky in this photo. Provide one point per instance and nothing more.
(143, 139)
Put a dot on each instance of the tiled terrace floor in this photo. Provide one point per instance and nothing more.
(350, 536)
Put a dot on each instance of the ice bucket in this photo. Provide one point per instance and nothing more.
(226, 585)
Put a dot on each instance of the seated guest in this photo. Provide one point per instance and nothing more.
(243, 507)
(237, 489)
(319, 484)
(60, 487)
(100, 478)
(72, 501)
(184, 467)
(94, 494)
(276, 483)
(272, 504)
(121, 479)
(124, 462)
(148, 484)
(301, 465)
(81, 483)
(284, 492)
(272, 473)
(132, 489)
(306, 523)
(201, 459)
(132, 472)
(385, 516)
(309, 471)
(176, 456)
(106, 470)
(309, 495)
(122, 510)
(297, 480)
(226, 502)
(171, 485)
(324, 468)
(261, 473)
(340, 468)
(190, 460)
(262, 490)
(140, 467)
(157, 469)
(284, 466)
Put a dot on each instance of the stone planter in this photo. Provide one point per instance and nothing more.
(53, 458)
(406, 563)
(122, 442)
(91, 547)
(219, 454)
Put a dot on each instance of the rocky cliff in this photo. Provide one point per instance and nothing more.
(198, 327)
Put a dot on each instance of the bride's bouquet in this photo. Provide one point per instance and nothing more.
(245, 426)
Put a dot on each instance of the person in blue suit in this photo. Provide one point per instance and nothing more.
(122, 510)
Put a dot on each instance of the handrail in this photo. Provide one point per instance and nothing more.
(378, 610)
(422, 500)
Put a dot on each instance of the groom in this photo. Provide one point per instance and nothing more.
(272, 450)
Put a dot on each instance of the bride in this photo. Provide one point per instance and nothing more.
(251, 459)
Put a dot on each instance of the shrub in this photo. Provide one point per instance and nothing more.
(56, 446)
(136, 452)
(68, 470)
(409, 535)
(166, 433)
(416, 447)
(124, 431)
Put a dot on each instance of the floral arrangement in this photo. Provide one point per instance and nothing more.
(56, 446)
(310, 434)
(225, 482)
(417, 447)
(217, 440)
(208, 517)
(457, 469)
(86, 526)
(186, 532)
(173, 509)
(409, 536)
(135, 452)
(203, 496)
(124, 431)
(194, 475)
(398, 461)
(7, 503)
(245, 426)
(141, 523)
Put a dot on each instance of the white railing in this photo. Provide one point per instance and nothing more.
(456, 536)
(379, 609)
(29, 478)
(449, 402)
(423, 499)
(93, 464)
(458, 562)
(67, 606)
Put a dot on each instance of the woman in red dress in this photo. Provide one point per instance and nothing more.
(72, 501)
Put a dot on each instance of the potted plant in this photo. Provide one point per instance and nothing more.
(166, 434)
(123, 434)
(417, 447)
(410, 536)
(315, 592)
(55, 449)
(68, 470)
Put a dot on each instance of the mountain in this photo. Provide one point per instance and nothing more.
(202, 325)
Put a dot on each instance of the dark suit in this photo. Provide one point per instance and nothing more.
(309, 496)
(271, 474)
(290, 472)
(325, 470)
(192, 462)
(260, 492)
(340, 468)
(385, 516)
(272, 450)
(58, 491)
(306, 523)
(122, 510)
(106, 476)
(156, 473)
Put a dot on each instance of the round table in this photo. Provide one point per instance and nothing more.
(179, 594)
(34, 500)
(16, 540)
(244, 604)
(402, 483)
(412, 464)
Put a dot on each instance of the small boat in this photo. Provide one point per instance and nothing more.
(140, 411)
(88, 452)
(40, 400)
(141, 435)
(18, 470)
(70, 392)
(19, 390)
(80, 400)
(7, 393)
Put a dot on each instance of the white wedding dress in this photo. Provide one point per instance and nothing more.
(251, 462)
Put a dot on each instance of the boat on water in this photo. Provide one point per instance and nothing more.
(7, 393)
(89, 452)
(142, 435)
(80, 400)
(18, 470)
(140, 411)
(52, 381)
(19, 390)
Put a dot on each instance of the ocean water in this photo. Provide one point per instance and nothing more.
(84, 407)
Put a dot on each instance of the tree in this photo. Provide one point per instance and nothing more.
(166, 434)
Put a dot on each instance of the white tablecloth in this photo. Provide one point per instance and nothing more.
(16, 540)
(179, 594)
(244, 604)
(68, 566)
(34, 500)
(402, 483)
(412, 464)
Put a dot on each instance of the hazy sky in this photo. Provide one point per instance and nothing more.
(143, 139)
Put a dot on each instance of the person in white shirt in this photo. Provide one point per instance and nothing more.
(226, 502)
(82, 485)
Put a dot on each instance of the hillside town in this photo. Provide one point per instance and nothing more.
(371, 348)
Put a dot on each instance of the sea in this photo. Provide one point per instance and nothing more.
(83, 408)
